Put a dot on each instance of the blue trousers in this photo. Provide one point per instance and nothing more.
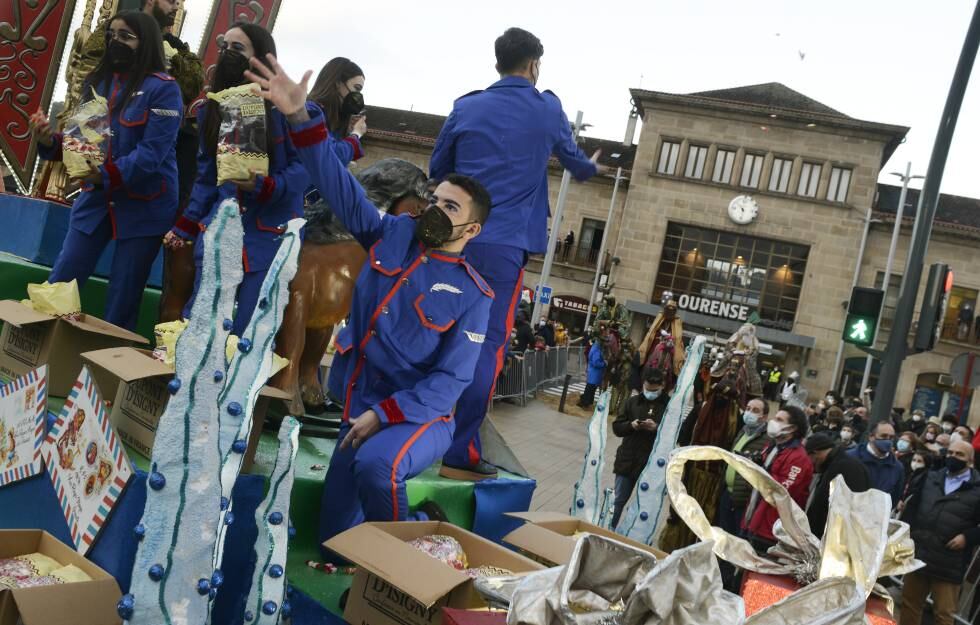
(368, 483)
(624, 488)
(502, 267)
(246, 299)
(131, 264)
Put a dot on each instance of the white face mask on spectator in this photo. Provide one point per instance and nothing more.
(846, 436)
(955, 438)
(916, 465)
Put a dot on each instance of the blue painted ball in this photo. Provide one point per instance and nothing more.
(580, 503)
(644, 486)
(156, 572)
(227, 325)
(140, 531)
(275, 518)
(224, 503)
(287, 609)
(249, 617)
(173, 386)
(245, 346)
(217, 578)
(263, 303)
(275, 571)
(269, 607)
(125, 607)
(593, 463)
(203, 586)
(239, 446)
(661, 462)
(644, 516)
(234, 409)
(229, 518)
(219, 376)
(157, 480)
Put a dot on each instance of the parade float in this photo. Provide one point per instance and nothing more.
(182, 491)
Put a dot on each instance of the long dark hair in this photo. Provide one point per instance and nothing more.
(147, 60)
(262, 44)
(325, 94)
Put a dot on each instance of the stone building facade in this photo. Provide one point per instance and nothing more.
(744, 203)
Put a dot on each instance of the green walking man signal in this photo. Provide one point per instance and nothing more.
(862, 316)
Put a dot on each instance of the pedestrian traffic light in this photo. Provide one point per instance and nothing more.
(862, 316)
(933, 311)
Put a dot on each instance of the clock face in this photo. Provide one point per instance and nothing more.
(743, 209)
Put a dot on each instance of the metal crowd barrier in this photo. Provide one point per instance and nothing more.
(524, 374)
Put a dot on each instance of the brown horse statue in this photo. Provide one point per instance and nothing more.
(329, 263)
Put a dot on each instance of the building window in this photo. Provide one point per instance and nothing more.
(890, 302)
(779, 178)
(752, 170)
(696, 156)
(809, 178)
(668, 158)
(586, 252)
(724, 162)
(840, 180)
(959, 324)
(730, 275)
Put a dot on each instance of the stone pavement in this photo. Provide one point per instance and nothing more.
(551, 446)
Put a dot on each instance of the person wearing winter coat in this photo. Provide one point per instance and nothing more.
(830, 459)
(786, 461)
(877, 455)
(943, 513)
(597, 366)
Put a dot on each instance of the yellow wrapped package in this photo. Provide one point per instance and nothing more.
(166, 334)
(242, 147)
(278, 362)
(59, 299)
(86, 130)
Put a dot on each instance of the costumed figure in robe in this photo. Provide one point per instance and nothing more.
(615, 316)
(663, 345)
(618, 374)
(745, 342)
(717, 424)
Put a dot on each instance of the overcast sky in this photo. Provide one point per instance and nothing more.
(880, 60)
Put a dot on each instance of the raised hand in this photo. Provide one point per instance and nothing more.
(277, 87)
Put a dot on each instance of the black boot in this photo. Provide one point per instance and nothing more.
(432, 510)
(482, 470)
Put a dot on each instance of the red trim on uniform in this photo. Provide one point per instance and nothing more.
(392, 411)
(115, 176)
(398, 459)
(187, 225)
(354, 143)
(310, 136)
(152, 196)
(367, 336)
(481, 283)
(163, 76)
(474, 453)
(263, 227)
(137, 122)
(426, 321)
(449, 259)
(376, 264)
(268, 188)
(245, 260)
(340, 348)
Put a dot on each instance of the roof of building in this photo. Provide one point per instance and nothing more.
(953, 212)
(774, 100)
(421, 129)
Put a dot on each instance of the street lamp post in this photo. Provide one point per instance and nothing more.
(886, 280)
(549, 256)
(602, 247)
(857, 272)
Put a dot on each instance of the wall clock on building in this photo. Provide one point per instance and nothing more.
(743, 209)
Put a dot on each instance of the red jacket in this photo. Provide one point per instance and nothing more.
(792, 468)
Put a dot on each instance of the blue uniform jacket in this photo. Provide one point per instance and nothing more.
(887, 474)
(277, 198)
(347, 149)
(596, 364)
(418, 317)
(504, 136)
(139, 176)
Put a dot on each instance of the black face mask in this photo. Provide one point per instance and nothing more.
(120, 56)
(230, 70)
(434, 228)
(955, 465)
(353, 103)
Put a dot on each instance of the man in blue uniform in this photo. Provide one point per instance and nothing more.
(504, 136)
(417, 322)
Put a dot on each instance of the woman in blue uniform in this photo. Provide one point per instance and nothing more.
(132, 196)
(338, 90)
(267, 202)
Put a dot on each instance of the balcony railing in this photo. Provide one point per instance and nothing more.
(966, 333)
(580, 256)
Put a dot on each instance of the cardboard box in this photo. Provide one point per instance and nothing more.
(452, 616)
(30, 339)
(396, 584)
(80, 603)
(549, 537)
(137, 385)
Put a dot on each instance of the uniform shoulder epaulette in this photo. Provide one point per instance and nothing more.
(466, 95)
(163, 75)
(478, 279)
